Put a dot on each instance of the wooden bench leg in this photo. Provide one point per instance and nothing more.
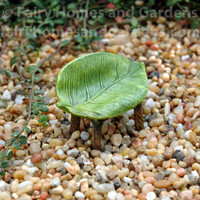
(138, 116)
(97, 136)
(75, 123)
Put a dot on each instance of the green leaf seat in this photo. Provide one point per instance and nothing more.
(101, 85)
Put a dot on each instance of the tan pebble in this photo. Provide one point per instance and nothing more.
(113, 49)
(75, 135)
(148, 174)
(122, 173)
(96, 197)
(126, 152)
(147, 188)
(55, 142)
(151, 152)
(173, 177)
(20, 153)
(50, 152)
(196, 166)
(162, 184)
(14, 186)
(111, 174)
(19, 174)
(193, 138)
(154, 88)
(90, 193)
(98, 161)
(156, 122)
(179, 183)
(5, 196)
(67, 194)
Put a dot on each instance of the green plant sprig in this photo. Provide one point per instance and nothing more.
(35, 107)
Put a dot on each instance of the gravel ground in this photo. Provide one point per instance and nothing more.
(161, 161)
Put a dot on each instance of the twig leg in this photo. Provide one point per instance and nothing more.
(138, 116)
(75, 123)
(97, 136)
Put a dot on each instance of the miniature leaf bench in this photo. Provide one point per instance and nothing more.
(100, 86)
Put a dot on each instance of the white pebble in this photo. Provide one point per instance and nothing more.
(60, 152)
(127, 180)
(85, 135)
(131, 122)
(2, 142)
(150, 103)
(130, 113)
(111, 195)
(151, 196)
(29, 163)
(6, 95)
(55, 182)
(79, 195)
(197, 102)
(52, 122)
(167, 109)
(105, 41)
(184, 58)
(19, 99)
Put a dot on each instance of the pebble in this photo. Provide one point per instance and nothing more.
(162, 183)
(79, 195)
(55, 182)
(24, 187)
(55, 142)
(179, 183)
(116, 139)
(160, 175)
(67, 194)
(85, 135)
(34, 148)
(19, 174)
(104, 188)
(111, 195)
(6, 95)
(75, 135)
(150, 103)
(156, 122)
(3, 104)
(36, 158)
(151, 196)
(178, 155)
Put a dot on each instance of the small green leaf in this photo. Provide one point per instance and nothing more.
(9, 155)
(78, 38)
(40, 70)
(44, 109)
(2, 173)
(27, 129)
(36, 111)
(43, 118)
(2, 155)
(13, 60)
(31, 68)
(64, 43)
(16, 145)
(4, 164)
(23, 139)
(16, 133)
(38, 97)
